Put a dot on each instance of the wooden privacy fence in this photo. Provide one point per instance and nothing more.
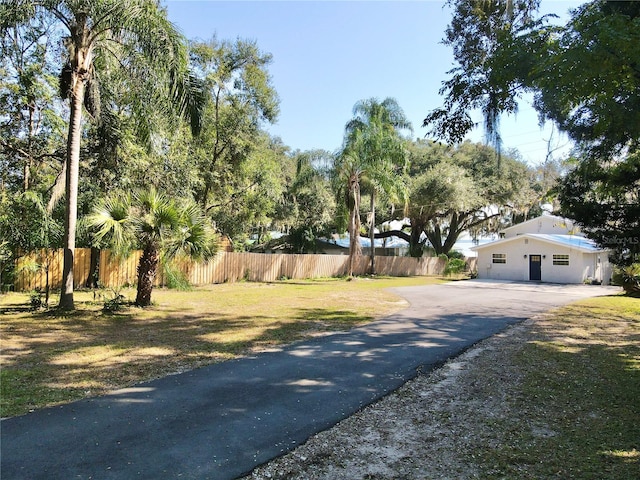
(36, 268)
(32, 269)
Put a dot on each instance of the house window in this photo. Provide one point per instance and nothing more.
(560, 259)
(499, 258)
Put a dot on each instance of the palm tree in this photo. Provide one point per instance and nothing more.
(160, 226)
(373, 136)
(134, 36)
(348, 172)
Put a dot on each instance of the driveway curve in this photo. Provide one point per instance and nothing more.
(221, 421)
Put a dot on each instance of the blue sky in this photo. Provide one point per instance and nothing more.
(327, 55)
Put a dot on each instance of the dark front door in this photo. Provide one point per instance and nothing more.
(535, 267)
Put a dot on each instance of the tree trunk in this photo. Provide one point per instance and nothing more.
(94, 269)
(354, 223)
(435, 238)
(29, 160)
(415, 246)
(147, 270)
(452, 234)
(81, 58)
(454, 230)
(372, 233)
(71, 188)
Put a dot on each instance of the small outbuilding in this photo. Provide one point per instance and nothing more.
(544, 249)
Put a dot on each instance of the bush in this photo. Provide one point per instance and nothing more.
(175, 278)
(7, 268)
(455, 266)
(628, 278)
(115, 303)
(35, 300)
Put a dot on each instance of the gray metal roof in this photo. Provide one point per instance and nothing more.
(570, 241)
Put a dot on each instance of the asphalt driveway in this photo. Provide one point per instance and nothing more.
(220, 421)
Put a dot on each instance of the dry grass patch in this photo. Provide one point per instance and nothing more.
(51, 357)
(575, 397)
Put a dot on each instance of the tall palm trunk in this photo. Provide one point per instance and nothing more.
(71, 188)
(354, 222)
(80, 59)
(147, 270)
(372, 234)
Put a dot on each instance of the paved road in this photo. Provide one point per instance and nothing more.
(221, 421)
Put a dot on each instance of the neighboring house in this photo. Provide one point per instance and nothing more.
(339, 245)
(332, 246)
(389, 247)
(544, 249)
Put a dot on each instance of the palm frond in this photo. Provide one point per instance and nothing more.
(193, 236)
(151, 55)
(112, 220)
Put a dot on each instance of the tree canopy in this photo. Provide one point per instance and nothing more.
(240, 98)
(161, 226)
(149, 110)
(134, 37)
(453, 189)
(375, 155)
(585, 77)
(146, 91)
(307, 207)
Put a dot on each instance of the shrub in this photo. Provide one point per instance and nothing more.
(115, 303)
(628, 278)
(456, 254)
(175, 278)
(35, 300)
(455, 266)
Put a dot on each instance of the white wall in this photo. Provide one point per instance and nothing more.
(596, 266)
(547, 224)
(581, 265)
(516, 268)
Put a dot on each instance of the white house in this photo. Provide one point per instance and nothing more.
(544, 249)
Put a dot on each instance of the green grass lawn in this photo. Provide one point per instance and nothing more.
(50, 357)
(578, 397)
